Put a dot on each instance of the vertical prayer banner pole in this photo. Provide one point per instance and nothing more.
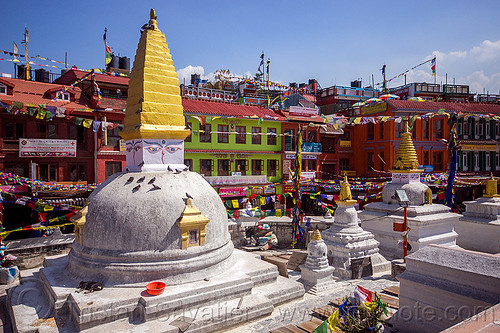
(296, 186)
(28, 68)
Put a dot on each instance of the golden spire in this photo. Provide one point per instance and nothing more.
(406, 155)
(154, 105)
(317, 235)
(491, 187)
(345, 195)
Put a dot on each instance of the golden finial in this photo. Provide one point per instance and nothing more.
(406, 155)
(154, 104)
(491, 187)
(316, 235)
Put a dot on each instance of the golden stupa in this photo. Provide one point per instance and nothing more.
(491, 187)
(345, 196)
(406, 155)
(154, 105)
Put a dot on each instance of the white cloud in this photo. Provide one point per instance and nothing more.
(486, 50)
(184, 74)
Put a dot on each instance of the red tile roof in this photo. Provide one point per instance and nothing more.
(73, 75)
(193, 106)
(480, 108)
(33, 92)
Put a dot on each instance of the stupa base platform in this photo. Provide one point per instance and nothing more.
(247, 290)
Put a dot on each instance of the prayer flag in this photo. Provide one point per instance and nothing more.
(433, 66)
(323, 328)
(87, 123)
(235, 203)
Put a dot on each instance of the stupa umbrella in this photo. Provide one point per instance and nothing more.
(388, 97)
(373, 100)
(416, 99)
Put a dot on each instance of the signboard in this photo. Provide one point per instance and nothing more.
(47, 148)
(348, 172)
(428, 168)
(345, 143)
(308, 175)
(123, 146)
(311, 147)
(270, 190)
(232, 191)
(376, 108)
(287, 188)
(304, 157)
(229, 180)
(470, 147)
(236, 174)
(300, 111)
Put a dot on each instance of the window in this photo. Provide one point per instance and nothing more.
(289, 140)
(328, 144)
(189, 164)
(77, 133)
(47, 131)
(309, 165)
(437, 160)
(271, 136)
(257, 167)
(272, 167)
(193, 236)
(47, 172)
(346, 135)
(241, 166)
(344, 164)
(399, 128)
(3, 89)
(205, 133)
(381, 129)
(13, 131)
(256, 139)
(189, 137)
(206, 167)
(241, 137)
(223, 168)
(371, 161)
(63, 96)
(223, 135)
(19, 169)
(371, 131)
(114, 136)
(77, 172)
(426, 158)
(426, 128)
(311, 136)
(112, 168)
(437, 127)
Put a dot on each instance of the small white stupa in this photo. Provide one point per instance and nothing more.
(316, 274)
(346, 240)
(429, 223)
(479, 227)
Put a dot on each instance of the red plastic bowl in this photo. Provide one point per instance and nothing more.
(155, 288)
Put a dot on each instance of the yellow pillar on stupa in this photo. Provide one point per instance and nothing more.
(345, 196)
(406, 156)
(154, 104)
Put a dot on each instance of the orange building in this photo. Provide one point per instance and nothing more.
(375, 141)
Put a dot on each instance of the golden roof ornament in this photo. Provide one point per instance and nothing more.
(192, 225)
(154, 104)
(406, 155)
(316, 235)
(491, 187)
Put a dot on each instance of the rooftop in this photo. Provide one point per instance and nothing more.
(480, 108)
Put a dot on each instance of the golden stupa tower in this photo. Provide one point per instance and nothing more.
(154, 127)
(406, 162)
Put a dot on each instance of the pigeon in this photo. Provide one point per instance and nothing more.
(177, 171)
(140, 164)
(169, 168)
(130, 180)
(138, 126)
(186, 169)
(135, 189)
(140, 180)
(187, 195)
(138, 110)
(152, 180)
(156, 187)
(141, 100)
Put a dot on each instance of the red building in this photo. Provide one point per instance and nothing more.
(25, 103)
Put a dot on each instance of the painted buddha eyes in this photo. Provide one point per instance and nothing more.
(172, 149)
(169, 149)
(153, 149)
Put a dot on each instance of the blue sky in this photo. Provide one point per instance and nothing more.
(332, 41)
